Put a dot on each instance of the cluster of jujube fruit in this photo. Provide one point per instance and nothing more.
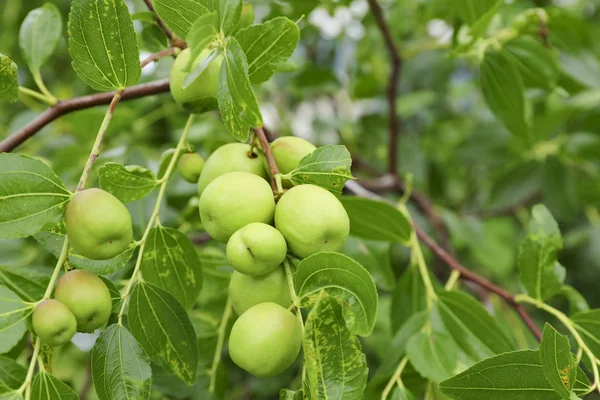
(237, 207)
(99, 227)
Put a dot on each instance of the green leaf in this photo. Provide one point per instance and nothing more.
(327, 166)
(433, 354)
(504, 92)
(268, 45)
(154, 39)
(127, 183)
(164, 330)
(13, 316)
(12, 375)
(120, 368)
(537, 64)
(577, 303)
(335, 365)
(53, 239)
(376, 220)
(588, 326)
(11, 396)
(471, 10)
(237, 102)
(557, 362)
(375, 257)
(171, 263)
(539, 271)
(32, 197)
(230, 12)
(179, 15)
(346, 280)
(479, 27)
(103, 44)
(510, 376)
(409, 297)
(45, 386)
(475, 331)
(9, 85)
(29, 283)
(287, 394)
(202, 32)
(39, 34)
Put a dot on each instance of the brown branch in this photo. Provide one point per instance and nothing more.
(79, 103)
(173, 39)
(264, 144)
(451, 262)
(392, 91)
(154, 57)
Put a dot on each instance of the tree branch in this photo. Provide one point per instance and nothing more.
(173, 39)
(264, 144)
(392, 91)
(451, 262)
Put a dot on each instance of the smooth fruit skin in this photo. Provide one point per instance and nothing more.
(98, 224)
(247, 291)
(87, 297)
(190, 167)
(53, 323)
(230, 158)
(312, 220)
(256, 249)
(288, 151)
(201, 95)
(234, 200)
(265, 340)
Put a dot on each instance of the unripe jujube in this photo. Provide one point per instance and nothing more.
(234, 200)
(201, 95)
(265, 340)
(98, 224)
(190, 167)
(231, 157)
(87, 297)
(247, 291)
(312, 220)
(288, 151)
(53, 323)
(256, 249)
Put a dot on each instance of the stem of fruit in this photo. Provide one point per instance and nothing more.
(220, 340)
(26, 386)
(36, 95)
(273, 169)
(287, 266)
(452, 280)
(99, 138)
(37, 78)
(566, 321)
(154, 216)
(395, 378)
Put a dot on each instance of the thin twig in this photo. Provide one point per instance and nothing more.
(159, 21)
(450, 261)
(392, 91)
(264, 144)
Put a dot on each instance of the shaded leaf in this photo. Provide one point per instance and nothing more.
(588, 325)
(433, 354)
(126, 183)
(557, 362)
(376, 220)
(163, 329)
(336, 367)
(537, 64)
(202, 32)
(29, 283)
(327, 166)
(13, 319)
(39, 34)
(120, 368)
(9, 85)
(103, 44)
(32, 197)
(179, 15)
(230, 12)
(45, 386)
(12, 375)
(171, 263)
(409, 297)
(268, 45)
(346, 280)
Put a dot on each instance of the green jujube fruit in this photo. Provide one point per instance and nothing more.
(288, 151)
(311, 220)
(98, 225)
(247, 291)
(256, 249)
(53, 323)
(231, 157)
(87, 297)
(233, 201)
(265, 340)
(201, 95)
(190, 167)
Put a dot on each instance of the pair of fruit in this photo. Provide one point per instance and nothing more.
(82, 303)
